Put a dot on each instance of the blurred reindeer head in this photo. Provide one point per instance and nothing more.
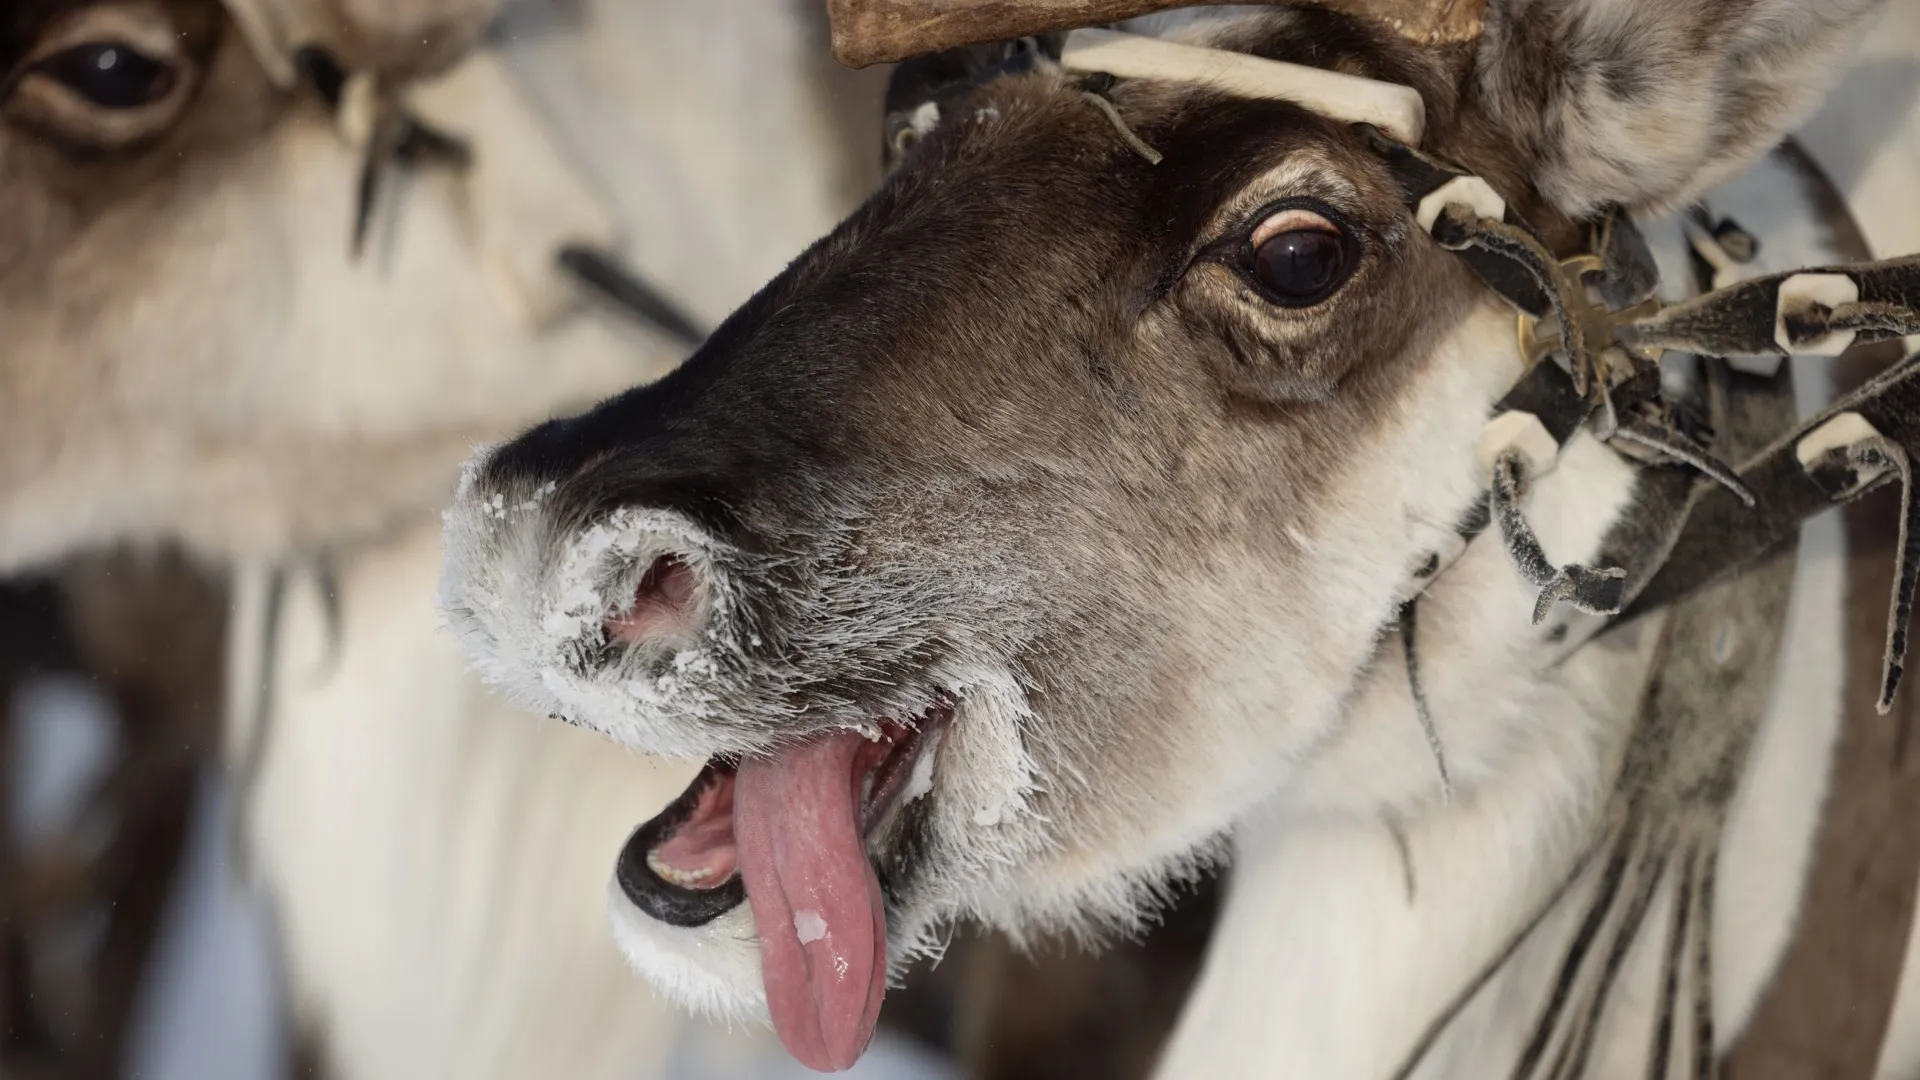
(1046, 518)
(193, 348)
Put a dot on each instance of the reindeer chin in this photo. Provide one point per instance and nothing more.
(712, 969)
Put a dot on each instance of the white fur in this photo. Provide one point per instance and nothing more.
(711, 970)
(435, 856)
(438, 856)
(495, 549)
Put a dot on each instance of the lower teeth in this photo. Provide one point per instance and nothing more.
(686, 879)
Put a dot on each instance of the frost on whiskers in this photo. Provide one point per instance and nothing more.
(495, 506)
(532, 607)
(595, 579)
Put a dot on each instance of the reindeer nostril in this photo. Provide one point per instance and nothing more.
(671, 580)
(660, 602)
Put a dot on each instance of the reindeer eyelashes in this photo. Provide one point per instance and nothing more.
(1298, 253)
(112, 77)
(109, 74)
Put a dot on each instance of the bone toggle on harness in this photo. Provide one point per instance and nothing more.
(1727, 476)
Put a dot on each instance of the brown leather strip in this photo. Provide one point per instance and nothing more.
(1827, 1011)
(882, 31)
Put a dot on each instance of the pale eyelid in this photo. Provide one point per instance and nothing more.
(1305, 174)
(1293, 219)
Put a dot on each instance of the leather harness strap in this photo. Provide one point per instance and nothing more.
(1829, 1006)
(1826, 1012)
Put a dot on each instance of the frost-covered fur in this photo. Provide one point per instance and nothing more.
(1067, 448)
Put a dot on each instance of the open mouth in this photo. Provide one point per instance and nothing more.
(793, 834)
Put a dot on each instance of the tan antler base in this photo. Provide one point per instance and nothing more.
(867, 32)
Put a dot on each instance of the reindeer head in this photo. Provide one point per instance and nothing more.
(1045, 518)
(193, 349)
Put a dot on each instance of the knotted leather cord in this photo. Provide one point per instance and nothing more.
(1665, 809)
(601, 273)
(1710, 683)
(1422, 709)
(1739, 320)
(1705, 700)
(1660, 813)
(1720, 534)
(1596, 592)
(1676, 445)
(1459, 228)
(1504, 254)
(398, 137)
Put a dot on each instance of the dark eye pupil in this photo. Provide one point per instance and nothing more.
(1301, 265)
(110, 75)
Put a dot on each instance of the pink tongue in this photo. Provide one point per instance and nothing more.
(816, 902)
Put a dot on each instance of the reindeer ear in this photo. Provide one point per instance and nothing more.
(1646, 103)
(919, 86)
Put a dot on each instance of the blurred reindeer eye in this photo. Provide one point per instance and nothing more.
(109, 74)
(1299, 257)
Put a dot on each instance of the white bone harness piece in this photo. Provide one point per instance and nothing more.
(1606, 353)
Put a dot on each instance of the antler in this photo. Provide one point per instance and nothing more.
(881, 31)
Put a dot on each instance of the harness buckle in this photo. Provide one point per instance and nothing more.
(1539, 338)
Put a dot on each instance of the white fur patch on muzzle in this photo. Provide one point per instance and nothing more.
(531, 601)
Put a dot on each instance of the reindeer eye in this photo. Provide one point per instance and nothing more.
(109, 74)
(1299, 257)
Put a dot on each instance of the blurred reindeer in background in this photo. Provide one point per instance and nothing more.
(268, 270)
